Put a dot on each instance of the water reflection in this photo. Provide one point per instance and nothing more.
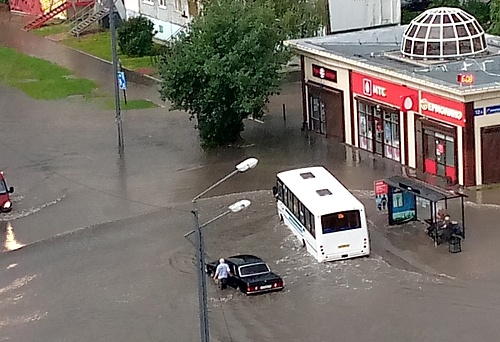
(10, 239)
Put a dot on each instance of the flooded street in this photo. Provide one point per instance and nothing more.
(94, 246)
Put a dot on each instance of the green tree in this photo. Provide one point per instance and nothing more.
(445, 3)
(494, 17)
(135, 36)
(224, 68)
(480, 10)
(300, 18)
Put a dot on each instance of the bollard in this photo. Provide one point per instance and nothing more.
(284, 112)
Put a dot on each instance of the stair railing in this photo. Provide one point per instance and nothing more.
(80, 15)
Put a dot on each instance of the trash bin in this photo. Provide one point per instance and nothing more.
(455, 244)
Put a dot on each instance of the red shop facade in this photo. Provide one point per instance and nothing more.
(414, 127)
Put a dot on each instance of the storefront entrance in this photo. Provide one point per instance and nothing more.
(490, 152)
(438, 150)
(326, 112)
(379, 130)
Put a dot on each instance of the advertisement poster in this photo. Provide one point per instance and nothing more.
(381, 192)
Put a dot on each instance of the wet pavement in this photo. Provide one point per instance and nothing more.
(104, 257)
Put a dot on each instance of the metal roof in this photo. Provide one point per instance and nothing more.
(313, 192)
(422, 189)
(379, 50)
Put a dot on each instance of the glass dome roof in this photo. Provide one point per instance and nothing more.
(443, 32)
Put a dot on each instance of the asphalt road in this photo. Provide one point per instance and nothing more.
(105, 258)
(133, 280)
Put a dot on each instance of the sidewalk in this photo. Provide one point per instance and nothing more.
(357, 169)
(83, 65)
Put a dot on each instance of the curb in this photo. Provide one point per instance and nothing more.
(293, 74)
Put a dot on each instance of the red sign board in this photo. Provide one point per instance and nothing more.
(465, 79)
(324, 73)
(381, 188)
(397, 95)
(442, 109)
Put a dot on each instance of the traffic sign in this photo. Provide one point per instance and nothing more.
(122, 82)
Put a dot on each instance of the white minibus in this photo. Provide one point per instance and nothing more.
(326, 217)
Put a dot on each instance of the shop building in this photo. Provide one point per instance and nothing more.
(426, 95)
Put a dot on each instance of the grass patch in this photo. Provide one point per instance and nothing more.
(131, 104)
(50, 30)
(99, 45)
(39, 78)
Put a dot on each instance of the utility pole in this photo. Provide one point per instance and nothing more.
(118, 116)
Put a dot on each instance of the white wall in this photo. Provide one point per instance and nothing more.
(342, 84)
(484, 120)
(358, 14)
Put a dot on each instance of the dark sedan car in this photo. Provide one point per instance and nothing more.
(250, 274)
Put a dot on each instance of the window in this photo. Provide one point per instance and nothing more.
(365, 126)
(379, 131)
(280, 190)
(3, 187)
(285, 195)
(250, 270)
(310, 227)
(302, 216)
(391, 136)
(162, 3)
(178, 5)
(342, 221)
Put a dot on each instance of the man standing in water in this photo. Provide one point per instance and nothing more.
(221, 273)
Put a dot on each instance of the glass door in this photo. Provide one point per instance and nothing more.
(317, 115)
(439, 155)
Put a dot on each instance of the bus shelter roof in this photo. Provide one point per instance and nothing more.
(422, 189)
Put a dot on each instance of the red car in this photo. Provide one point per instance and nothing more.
(5, 202)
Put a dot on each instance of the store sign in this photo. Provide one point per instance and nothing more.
(467, 79)
(393, 94)
(442, 109)
(493, 110)
(324, 73)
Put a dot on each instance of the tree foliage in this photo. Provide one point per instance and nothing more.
(495, 17)
(299, 18)
(225, 67)
(445, 3)
(135, 36)
(481, 10)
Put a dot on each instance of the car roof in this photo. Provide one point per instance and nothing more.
(244, 259)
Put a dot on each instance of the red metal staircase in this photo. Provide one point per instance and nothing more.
(42, 19)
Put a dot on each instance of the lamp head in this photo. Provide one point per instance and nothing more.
(247, 164)
(239, 206)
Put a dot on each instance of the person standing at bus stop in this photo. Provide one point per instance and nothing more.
(222, 272)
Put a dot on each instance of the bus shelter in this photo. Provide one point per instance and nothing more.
(410, 199)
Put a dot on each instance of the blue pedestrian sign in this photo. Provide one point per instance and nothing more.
(122, 82)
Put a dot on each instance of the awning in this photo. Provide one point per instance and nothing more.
(422, 189)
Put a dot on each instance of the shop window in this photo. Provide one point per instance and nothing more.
(391, 136)
(379, 131)
(365, 126)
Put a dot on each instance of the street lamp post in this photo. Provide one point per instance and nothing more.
(245, 165)
(112, 26)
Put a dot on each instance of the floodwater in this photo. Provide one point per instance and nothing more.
(103, 255)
